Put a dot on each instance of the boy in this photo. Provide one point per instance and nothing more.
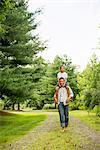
(63, 96)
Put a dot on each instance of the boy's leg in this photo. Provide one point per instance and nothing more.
(61, 114)
(66, 113)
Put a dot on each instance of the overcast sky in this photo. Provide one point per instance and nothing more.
(71, 28)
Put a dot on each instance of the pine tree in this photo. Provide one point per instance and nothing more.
(18, 43)
(19, 46)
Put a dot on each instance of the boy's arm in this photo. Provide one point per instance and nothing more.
(55, 98)
(70, 95)
(56, 95)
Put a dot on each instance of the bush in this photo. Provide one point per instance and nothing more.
(96, 110)
(73, 106)
(49, 106)
(1, 104)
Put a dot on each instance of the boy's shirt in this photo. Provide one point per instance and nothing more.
(63, 95)
(64, 75)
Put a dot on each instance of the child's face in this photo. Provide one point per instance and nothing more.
(62, 82)
(62, 69)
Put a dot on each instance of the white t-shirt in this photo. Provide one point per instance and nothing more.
(63, 75)
(63, 95)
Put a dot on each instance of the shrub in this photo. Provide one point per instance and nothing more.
(1, 104)
(49, 106)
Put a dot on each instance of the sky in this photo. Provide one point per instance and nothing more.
(70, 28)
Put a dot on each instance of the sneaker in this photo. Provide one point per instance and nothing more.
(63, 129)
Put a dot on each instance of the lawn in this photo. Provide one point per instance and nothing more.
(90, 119)
(15, 125)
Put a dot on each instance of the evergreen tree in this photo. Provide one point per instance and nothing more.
(19, 45)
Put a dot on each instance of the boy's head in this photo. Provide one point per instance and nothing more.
(62, 81)
(62, 69)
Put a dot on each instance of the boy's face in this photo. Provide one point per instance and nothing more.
(62, 82)
(62, 69)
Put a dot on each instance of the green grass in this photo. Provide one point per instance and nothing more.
(15, 125)
(89, 118)
(69, 140)
(56, 140)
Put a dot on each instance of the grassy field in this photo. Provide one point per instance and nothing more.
(89, 118)
(15, 125)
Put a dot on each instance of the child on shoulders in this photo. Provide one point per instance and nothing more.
(62, 74)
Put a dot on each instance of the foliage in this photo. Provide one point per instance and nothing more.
(89, 84)
(49, 106)
(26, 77)
(19, 46)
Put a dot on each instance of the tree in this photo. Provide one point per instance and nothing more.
(37, 98)
(18, 43)
(49, 81)
(19, 46)
(89, 84)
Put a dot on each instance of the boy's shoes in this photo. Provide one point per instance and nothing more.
(65, 128)
(62, 130)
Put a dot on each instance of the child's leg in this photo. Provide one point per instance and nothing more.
(66, 84)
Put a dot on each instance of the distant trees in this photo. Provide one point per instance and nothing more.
(48, 82)
(89, 85)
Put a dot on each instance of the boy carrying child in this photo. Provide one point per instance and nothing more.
(62, 97)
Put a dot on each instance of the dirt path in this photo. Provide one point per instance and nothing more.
(36, 136)
(86, 131)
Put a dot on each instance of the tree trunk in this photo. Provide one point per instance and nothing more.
(4, 108)
(13, 106)
(18, 106)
